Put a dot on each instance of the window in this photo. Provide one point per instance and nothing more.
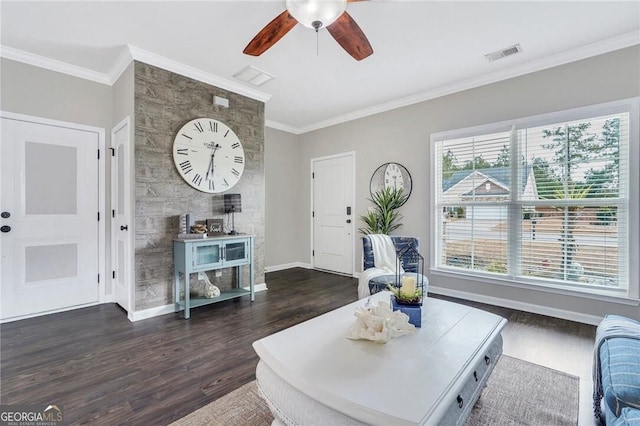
(548, 200)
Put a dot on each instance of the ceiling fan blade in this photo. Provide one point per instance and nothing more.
(349, 35)
(270, 34)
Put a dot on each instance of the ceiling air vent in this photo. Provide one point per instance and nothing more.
(253, 75)
(503, 53)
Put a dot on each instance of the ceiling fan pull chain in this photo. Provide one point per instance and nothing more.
(316, 26)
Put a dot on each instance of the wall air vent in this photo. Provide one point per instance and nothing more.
(503, 53)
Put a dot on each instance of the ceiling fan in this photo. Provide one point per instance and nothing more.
(316, 14)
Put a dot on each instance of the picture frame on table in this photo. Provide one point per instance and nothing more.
(215, 227)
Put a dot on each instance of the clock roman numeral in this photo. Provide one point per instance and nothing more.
(239, 160)
(226, 133)
(186, 167)
(183, 151)
(212, 186)
(187, 136)
(197, 179)
(199, 126)
(235, 145)
(235, 172)
(214, 126)
(225, 181)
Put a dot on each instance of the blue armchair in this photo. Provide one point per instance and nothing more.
(401, 243)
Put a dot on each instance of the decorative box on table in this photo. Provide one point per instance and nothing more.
(410, 287)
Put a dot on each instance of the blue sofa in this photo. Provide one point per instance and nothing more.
(400, 243)
(616, 371)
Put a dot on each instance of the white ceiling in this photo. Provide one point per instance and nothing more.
(422, 49)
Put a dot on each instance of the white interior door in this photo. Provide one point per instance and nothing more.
(121, 226)
(333, 226)
(49, 203)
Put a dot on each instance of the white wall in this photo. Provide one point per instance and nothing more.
(402, 136)
(123, 97)
(283, 236)
(49, 94)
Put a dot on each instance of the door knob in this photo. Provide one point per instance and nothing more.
(124, 227)
(5, 215)
(348, 220)
(5, 228)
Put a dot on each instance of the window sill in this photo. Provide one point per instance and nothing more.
(620, 296)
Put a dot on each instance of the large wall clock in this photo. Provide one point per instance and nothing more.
(208, 155)
(393, 176)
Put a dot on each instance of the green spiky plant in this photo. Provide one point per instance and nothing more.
(384, 218)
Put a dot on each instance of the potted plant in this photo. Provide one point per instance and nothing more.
(384, 218)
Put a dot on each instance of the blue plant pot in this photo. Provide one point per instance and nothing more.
(413, 311)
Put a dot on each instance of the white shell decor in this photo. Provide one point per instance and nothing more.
(211, 291)
(380, 323)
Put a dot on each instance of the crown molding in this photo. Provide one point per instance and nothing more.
(53, 65)
(280, 126)
(124, 59)
(120, 65)
(191, 72)
(601, 47)
(134, 53)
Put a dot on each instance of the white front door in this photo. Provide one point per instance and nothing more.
(333, 220)
(50, 230)
(121, 226)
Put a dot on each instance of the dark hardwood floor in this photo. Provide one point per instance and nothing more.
(104, 369)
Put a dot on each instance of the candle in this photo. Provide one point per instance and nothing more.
(408, 286)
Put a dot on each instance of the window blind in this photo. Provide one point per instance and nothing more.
(545, 203)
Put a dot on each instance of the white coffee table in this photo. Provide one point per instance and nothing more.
(312, 374)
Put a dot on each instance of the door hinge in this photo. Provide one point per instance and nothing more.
(313, 252)
(98, 278)
(313, 214)
(113, 274)
(98, 216)
(98, 154)
(113, 213)
(113, 152)
(313, 175)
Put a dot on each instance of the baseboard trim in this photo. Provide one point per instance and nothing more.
(284, 266)
(55, 311)
(521, 306)
(169, 309)
(258, 287)
(151, 312)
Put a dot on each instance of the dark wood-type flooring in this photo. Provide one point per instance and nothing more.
(104, 369)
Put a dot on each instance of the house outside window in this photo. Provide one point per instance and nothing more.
(548, 201)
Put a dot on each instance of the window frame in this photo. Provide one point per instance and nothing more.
(632, 291)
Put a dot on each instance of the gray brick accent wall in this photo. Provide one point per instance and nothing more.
(164, 101)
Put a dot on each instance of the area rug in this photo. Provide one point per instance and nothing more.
(517, 393)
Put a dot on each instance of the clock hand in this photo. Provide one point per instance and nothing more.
(212, 161)
(210, 171)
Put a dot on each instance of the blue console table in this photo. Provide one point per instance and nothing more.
(208, 254)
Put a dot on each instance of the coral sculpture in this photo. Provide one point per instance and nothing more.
(379, 323)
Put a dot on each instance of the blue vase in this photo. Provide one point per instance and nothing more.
(413, 311)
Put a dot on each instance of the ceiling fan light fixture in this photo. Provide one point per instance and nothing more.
(311, 12)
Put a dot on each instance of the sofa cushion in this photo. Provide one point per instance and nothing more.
(620, 362)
